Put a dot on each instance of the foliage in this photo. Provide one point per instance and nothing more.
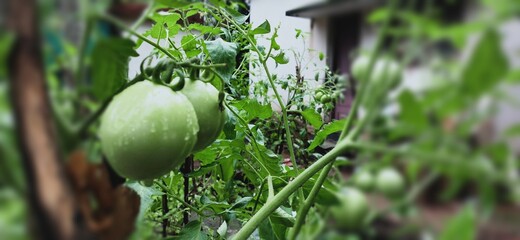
(243, 184)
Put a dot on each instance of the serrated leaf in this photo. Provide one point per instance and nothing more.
(189, 45)
(253, 109)
(221, 51)
(280, 58)
(110, 58)
(145, 193)
(264, 28)
(192, 231)
(312, 117)
(330, 128)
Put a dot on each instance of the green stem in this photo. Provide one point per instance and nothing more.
(94, 116)
(263, 60)
(83, 49)
(192, 208)
(304, 209)
(123, 26)
(250, 133)
(289, 189)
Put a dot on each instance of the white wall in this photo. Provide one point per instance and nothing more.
(274, 12)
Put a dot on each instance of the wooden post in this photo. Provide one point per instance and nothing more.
(53, 212)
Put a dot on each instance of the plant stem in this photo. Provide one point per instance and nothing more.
(94, 116)
(263, 60)
(303, 211)
(289, 189)
(165, 210)
(192, 208)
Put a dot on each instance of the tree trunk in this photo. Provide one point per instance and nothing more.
(53, 212)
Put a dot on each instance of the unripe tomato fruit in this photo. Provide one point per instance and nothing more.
(325, 98)
(204, 98)
(359, 67)
(147, 131)
(390, 182)
(352, 209)
(364, 180)
(318, 96)
(384, 69)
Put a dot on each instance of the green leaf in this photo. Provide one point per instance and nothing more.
(270, 160)
(411, 114)
(264, 28)
(110, 58)
(145, 193)
(513, 131)
(280, 58)
(486, 67)
(6, 41)
(513, 76)
(460, 227)
(222, 230)
(312, 117)
(221, 51)
(242, 202)
(204, 29)
(165, 25)
(253, 109)
(189, 45)
(238, 17)
(192, 231)
(330, 128)
(173, 3)
(282, 217)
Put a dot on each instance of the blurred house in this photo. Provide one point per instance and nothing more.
(339, 28)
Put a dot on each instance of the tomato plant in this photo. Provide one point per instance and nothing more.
(220, 141)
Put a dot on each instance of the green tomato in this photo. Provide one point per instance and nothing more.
(364, 180)
(147, 131)
(384, 69)
(390, 182)
(204, 98)
(359, 67)
(325, 99)
(318, 96)
(352, 209)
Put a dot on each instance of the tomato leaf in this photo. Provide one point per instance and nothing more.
(330, 128)
(479, 75)
(189, 45)
(460, 227)
(221, 51)
(145, 193)
(110, 58)
(412, 115)
(280, 58)
(192, 231)
(312, 117)
(264, 28)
